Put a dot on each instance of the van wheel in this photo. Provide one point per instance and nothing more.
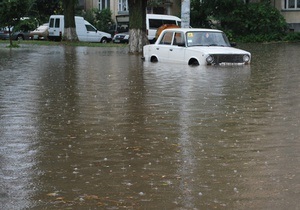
(103, 40)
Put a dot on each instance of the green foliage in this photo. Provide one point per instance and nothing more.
(13, 45)
(293, 36)
(103, 20)
(12, 10)
(42, 9)
(246, 21)
(100, 19)
(25, 25)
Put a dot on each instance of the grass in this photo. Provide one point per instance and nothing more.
(52, 43)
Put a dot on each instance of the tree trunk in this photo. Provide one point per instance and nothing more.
(137, 25)
(69, 13)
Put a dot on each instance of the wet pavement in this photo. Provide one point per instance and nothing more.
(96, 128)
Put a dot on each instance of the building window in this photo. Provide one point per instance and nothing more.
(123, 6)
(104, 4)
(292, 4)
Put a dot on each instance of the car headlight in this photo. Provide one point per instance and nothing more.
(210, 60)
(246, 58)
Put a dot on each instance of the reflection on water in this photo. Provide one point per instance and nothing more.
(96, 128)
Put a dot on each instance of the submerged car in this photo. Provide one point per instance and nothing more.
(40, 32)
(195, 47)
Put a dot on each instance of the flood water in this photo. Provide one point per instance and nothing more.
(96, 128)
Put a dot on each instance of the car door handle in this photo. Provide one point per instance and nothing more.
(157, 48)
(171, 49)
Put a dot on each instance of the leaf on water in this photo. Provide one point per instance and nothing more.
(53, 194)
(91, 197)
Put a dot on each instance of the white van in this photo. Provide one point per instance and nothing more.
(153, 22)
(86, 32)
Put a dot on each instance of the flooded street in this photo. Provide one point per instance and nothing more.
(96, 128)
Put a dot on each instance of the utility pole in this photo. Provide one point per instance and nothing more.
(185, 13)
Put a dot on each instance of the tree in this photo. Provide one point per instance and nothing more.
(42, 9)
(260, 21)
(11, 12)
(137, 25)
(69, 13)
(99, 18)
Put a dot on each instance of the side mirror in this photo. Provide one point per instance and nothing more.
(233, 44)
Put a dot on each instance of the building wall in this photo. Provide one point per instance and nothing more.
(170, 7)
(292, 17)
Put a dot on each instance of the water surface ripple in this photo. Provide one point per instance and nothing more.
(96, 128)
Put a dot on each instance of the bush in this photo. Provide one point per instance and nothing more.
(100, 19)
(254, 22)
(25, 25)
(293, 36)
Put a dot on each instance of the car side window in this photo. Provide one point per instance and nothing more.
(167, 38)
(179, 39)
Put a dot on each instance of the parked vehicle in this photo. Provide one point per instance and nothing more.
(195, 47)
(4, 32)
(20, 31)
(16, 35)
(40, 32)
(85, 31)
(153, 22)
(121, 38)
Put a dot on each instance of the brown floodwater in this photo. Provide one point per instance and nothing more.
(97, 128)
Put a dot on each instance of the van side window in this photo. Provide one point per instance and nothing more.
(51, 22)
(57, 22)
(90, 28)
(155, 24)
(169, 22)
(167, 38)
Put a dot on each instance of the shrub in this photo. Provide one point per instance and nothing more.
(100, 19)
(255, 22)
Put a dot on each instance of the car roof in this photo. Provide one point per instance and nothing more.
(192, 30)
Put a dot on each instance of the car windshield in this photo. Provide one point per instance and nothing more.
(206, 38)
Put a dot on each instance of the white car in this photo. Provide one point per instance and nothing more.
(194, 47)
(40, 33)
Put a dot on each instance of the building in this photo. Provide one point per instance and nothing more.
(290, 9)
(120, 7)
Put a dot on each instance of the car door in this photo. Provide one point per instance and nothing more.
(177, 48)
(164, 46)
(92, 35)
